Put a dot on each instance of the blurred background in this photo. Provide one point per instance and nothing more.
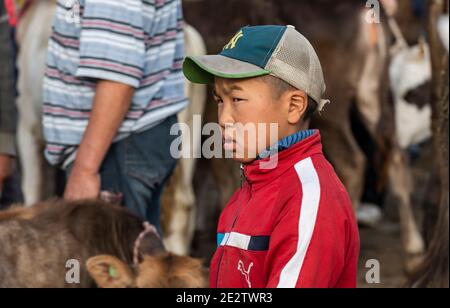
(385, 131)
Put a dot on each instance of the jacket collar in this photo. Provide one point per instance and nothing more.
(263, 171)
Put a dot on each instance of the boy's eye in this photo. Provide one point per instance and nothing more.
(237, 100)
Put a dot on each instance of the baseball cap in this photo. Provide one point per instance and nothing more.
(280, 51)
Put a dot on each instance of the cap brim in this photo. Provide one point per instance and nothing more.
(203, 69)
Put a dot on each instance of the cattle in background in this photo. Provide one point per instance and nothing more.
(443, 30)
(410, 75)
(38, 178)
(179, 202)
(38, 242)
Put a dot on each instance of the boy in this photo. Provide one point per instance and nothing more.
(291, 225)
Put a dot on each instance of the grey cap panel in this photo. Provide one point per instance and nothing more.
(296, 62)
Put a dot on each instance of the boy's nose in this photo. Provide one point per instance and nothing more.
(226, 116)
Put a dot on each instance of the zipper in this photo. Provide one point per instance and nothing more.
(243, 177)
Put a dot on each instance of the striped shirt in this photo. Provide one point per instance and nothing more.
(135, 42)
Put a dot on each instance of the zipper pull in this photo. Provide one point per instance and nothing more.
(242, 171)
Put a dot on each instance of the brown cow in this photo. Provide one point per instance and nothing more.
(37, 243)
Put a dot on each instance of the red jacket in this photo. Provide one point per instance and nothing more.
(291, 226)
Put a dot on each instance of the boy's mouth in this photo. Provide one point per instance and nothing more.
(229, 144)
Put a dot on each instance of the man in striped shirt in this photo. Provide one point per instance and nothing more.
(112, 89)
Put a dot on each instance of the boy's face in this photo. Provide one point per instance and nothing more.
(252, 118)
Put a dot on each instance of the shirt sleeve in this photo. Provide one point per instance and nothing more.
(112, 43)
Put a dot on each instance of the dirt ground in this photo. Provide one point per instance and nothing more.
(384, 245)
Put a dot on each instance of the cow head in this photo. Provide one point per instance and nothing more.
(160, 271)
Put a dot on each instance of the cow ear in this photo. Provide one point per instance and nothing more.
(110, 272)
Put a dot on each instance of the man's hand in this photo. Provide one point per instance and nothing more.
(82, 184)
(6, 168)
(111, 103)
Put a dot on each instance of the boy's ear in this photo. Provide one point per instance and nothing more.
(110, 272)
(298, 103)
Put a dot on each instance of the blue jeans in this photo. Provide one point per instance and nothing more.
(138, 167)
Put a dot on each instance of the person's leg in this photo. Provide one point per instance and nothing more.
(138, 167)
(153, 212)
(11, 191)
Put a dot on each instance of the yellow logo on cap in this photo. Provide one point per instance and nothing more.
(234, 40)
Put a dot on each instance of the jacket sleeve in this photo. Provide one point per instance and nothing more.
(8, 114)
(307, 248)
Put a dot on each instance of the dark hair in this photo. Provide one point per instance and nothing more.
(280, 86)
(311, 109)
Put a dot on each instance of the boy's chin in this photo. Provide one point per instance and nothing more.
(239, 157)
(243, 160)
